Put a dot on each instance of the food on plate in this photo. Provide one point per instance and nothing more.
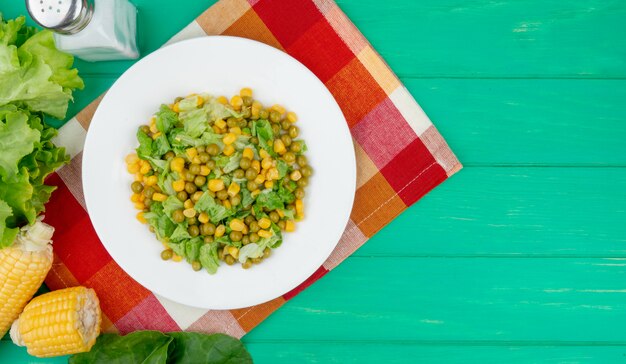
(218, 179)
(23, 267)
(61, 322)
(173, 347)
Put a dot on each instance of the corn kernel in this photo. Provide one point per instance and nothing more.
(292, 117)
(142, 197)
(281, 213)
(132, 168)
(233, 251)
(265, 223)
(279, 146)
(255, 193)
(156, 135)
(190, 212)
(248, 153)
(246, 91)
(229, 138)
(178, 185)
(269, 184)
(235, 130)
(256, 165)
(203, 217)
(264, 154)
(220, 230)
(236, 101)
(141, 218)
(299, 208)
(220, 123)
(135, 197)
(205, 170)
(159, 197)
(233, 189)
(237, 225)
(245, 229)
(290, 226)
(260, 178)
(265, 233)
(222, 100)
(272, 174)
(177, 258)
(216, 185)
(132, 158)
(138, 177)
(199, 101)
(151, 181)
(281, 110)
(145, 169)
(254, 112)
(176, 107)
(228, 150)
(295, 175)
(227, 204)
(188, 204)
(266, 163)
(177, 164)
(196, 160)
(153, 129)
(191, 152)
(140, 205)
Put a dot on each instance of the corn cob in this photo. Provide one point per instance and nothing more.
(23, 267)
(57, 323)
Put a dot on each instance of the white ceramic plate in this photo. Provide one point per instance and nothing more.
(220, 66)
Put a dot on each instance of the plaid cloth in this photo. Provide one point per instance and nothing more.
(400, 157)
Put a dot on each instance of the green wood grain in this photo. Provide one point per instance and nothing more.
(491, 211)
(568, 300)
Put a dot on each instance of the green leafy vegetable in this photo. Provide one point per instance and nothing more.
(166, 119)
(270, 200)
(264, 133)
(153, 347)
(17, 139)
(217, 212)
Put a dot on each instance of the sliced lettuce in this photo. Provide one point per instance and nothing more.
(208, 257)
(166, 119)
(195, 123)
(264, 133)
(180, 233)
(233, 163)
(216, 212)
(270, 200)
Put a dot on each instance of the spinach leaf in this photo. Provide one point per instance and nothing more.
(146, 347)
(191, 348)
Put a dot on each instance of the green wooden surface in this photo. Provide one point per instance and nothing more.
(521, 257)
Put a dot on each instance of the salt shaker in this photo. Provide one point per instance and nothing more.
(91, 30)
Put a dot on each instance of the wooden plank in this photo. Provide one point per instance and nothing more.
(567, 300)
(402, 353)
(513, 211)
(451, 38)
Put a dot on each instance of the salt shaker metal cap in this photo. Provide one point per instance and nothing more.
(61, 16)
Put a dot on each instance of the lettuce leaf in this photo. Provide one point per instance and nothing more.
(166, 119)
(17, 139)
(208, 257)
(216, 212)
(7, 235)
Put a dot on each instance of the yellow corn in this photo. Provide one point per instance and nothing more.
(222, 100)
(264, 223)
(227, 204)
(140, 205)
(264, 154)
(132, 158)
(190, 212)
(191, 152)
(237, 225)
(265, 233)
(177, 258)
(236, 101)
(260, 178)
(235, 130)
(267, 163)
(255, 193)
(292, 117)
(22, 271)
(178, 185)
(281, 213)
(176, 107)
(233, 189)
(279, 109)
(153, 129)
(279, 146)
(135, 197)
(156, 135)
(145, 169)
(216, 185)
(272, 173)
(188, 204)
(199, 101)
(141, 218)
(246, 91)
(269, 184)
(229, 138)
(205, 170)
(196, 160)
(177, 164)
(295, 175)
(159, 197)
(299, 208)
(290, 226)
(62, 322)
(256, 165)
(203, 218)
(219, 231)
(233, 251)
(220, 123)
(229, 150)
(138, 177)
(151, 180)
(248, 153)
(132, 168)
